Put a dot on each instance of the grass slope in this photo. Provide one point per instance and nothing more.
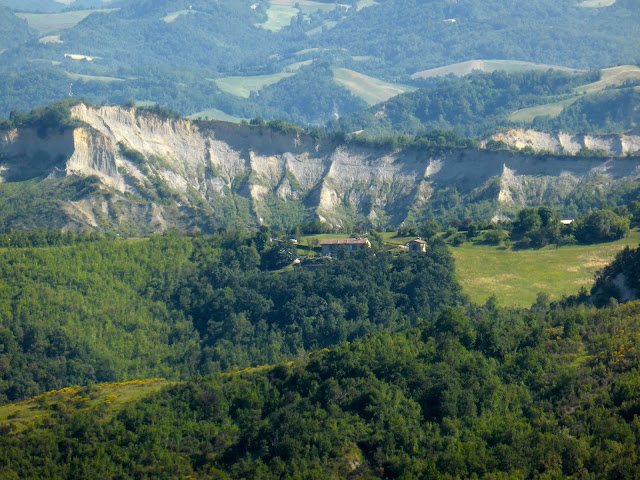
(371, 90)
(516, 277)
(93, 78)
(611, 78)
(553, 110)
(215, 114)
(243, 86)
(281, 12)
(596, 3)
(465, 68)
(54, 22)
(115, 396)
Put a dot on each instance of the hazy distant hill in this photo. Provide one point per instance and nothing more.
(175, 51)
(597, 102)
(15, 31)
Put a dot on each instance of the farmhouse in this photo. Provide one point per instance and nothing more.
(418, 245)
(567, 221)
(331, 245)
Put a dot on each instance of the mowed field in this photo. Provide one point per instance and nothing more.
(243, 86)
(465, 68)
(516, 277)
(281, 12)
(596, 3)
(611, 77)
(371, 90)
(53, 22)
(93, 78)
(215, 114)
(553, 110)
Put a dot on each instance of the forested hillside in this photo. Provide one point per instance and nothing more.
(80, 309)
(15, 31)
(477, 392)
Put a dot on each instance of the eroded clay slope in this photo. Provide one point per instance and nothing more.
(159, 173)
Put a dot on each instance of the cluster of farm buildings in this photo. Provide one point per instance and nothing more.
(331, 245)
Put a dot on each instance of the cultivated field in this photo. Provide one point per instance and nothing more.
(527, 115)
(611, 77)
(596, 3)
(243, 86)
(93, 78)
(215, 114)
(281, 12)
(516, 277)
(487, 66)
(46, 23)
(370, 89)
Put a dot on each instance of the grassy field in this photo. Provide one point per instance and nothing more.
(113, 395)
(365, 3)
(516, 277)
(611, 77)
(54, 22)
(552, 109)
(370, 89)
(281, 12)
(93, 78)
(172, 17)
(243, 86)
(596, 3)
(215, 114)
(487, 66)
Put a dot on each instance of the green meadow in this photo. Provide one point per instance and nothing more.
(369, 89)
(516, 277)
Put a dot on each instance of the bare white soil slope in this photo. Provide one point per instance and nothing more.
(157, 173)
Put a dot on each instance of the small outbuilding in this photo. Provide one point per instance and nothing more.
(331, 245)
(418, 245)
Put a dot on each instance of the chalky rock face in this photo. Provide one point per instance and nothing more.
(155, 173)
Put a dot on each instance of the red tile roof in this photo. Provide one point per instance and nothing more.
(344, 241)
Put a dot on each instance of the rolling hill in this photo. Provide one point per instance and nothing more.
(166, 50)
(480, 103)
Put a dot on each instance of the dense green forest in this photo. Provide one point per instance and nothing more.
(78, 309)
(475, 392)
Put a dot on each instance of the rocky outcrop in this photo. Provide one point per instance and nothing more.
(569, 143)
(159, 173)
